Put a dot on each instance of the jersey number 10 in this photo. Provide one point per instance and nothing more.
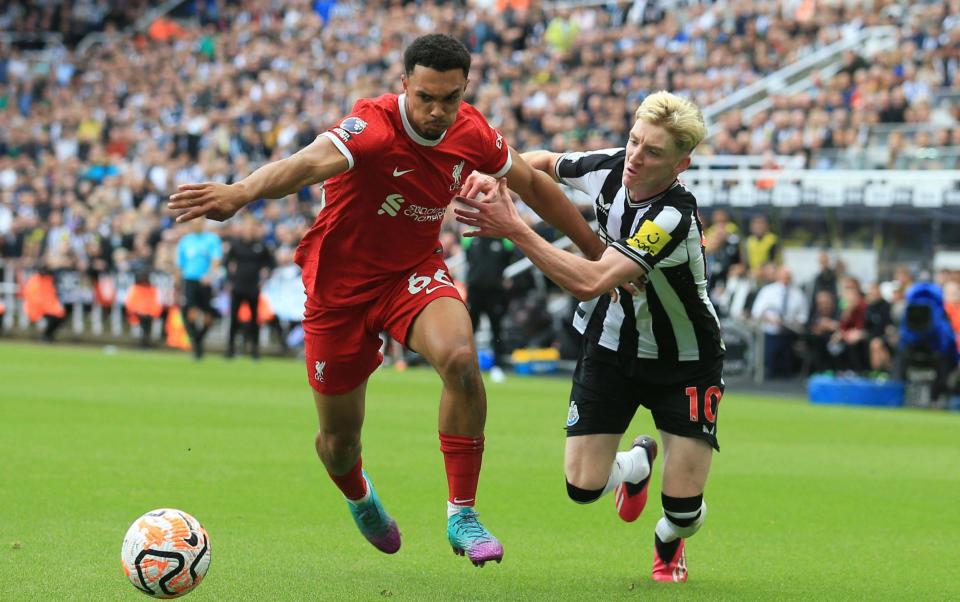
(711, 399)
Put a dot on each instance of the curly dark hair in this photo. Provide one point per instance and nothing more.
(437, 51)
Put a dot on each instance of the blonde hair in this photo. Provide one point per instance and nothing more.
(680, 117)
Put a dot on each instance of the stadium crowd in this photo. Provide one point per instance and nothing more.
(35, 22)
(836, 322)
(93, 142)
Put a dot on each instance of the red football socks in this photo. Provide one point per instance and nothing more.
(352, 484)
(462, 457)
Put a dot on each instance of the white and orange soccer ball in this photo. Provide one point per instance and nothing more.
(166, 553)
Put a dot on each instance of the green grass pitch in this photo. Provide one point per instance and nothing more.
(806, 502)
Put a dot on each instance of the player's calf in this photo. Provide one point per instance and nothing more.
(631, 496)
(682, 518)
(629, 467)
(583, 496)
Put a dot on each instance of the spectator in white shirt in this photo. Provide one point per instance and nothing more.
(781, 309)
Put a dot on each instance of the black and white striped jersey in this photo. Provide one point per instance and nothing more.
(673, 320)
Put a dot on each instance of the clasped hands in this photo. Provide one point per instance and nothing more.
(491, 212)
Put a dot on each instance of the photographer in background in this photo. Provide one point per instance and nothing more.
(927, 352)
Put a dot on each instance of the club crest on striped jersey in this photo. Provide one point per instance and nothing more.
(651, 238)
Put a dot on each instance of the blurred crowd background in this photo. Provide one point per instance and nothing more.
(106, 107)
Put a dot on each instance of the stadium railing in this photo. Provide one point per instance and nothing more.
(878, 156)
(825, 188)
(96, 311)
(88, 319)
(744, 162)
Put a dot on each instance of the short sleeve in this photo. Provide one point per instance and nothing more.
(216, 247)
(360, 133)
(588, 171)
(656, 238)
(497, 159)
(182, 252)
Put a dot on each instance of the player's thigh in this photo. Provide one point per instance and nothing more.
(205, 298)
(442, 328)
(341, 414)
(424, 311)
(684, 400)
(686, 465)
(191, 300)
(587, 459)
(602, 396)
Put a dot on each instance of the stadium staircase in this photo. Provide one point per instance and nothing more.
(800, 75)
(141, 24)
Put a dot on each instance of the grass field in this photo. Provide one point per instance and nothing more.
(806, 502)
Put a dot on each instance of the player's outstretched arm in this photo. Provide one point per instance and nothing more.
(496, 216)
(479, 183)
(314, 163)
(543, 160)
(541, 193)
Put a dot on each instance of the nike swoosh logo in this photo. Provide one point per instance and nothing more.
(460, 502)
(397, 173)
(430, 290)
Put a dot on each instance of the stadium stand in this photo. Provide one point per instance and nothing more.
(820, 113)
(36, 25)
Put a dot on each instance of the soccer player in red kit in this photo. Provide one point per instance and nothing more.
(372, 262)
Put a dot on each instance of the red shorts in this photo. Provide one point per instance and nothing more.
(342, 344)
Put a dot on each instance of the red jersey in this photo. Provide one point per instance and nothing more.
(382, 216)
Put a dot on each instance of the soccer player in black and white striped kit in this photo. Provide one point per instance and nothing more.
(657, 344)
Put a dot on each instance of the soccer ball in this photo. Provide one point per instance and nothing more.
(166, 553)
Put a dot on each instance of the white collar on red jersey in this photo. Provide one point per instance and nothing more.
(401, 100)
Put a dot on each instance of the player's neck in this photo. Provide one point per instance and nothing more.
(411, 128)
(426, 136)
(639, 195)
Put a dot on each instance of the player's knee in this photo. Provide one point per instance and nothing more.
(337, 448)
(685, 514)
(459, 368)
(583, 496)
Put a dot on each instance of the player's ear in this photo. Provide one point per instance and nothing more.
(403, 81)
(682, 165)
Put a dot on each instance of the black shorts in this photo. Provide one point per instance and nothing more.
(199, 295)
(682, 396)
